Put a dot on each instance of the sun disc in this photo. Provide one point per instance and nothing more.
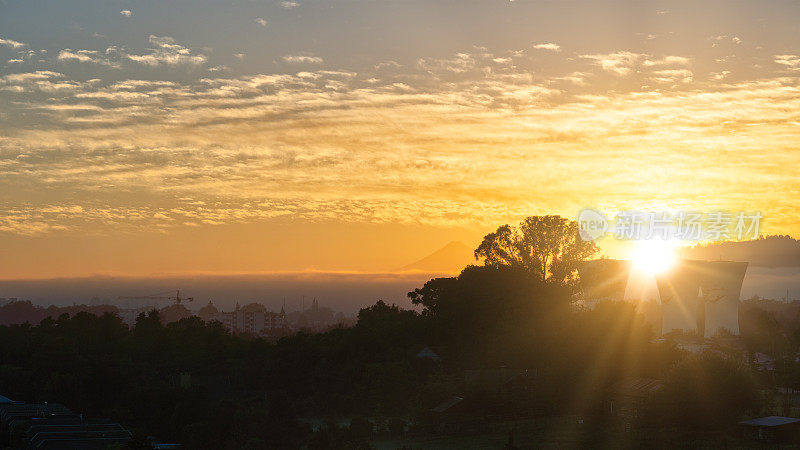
(654, 256)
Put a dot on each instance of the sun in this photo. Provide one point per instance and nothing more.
(654, 256)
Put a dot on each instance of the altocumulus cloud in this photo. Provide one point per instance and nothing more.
(790, 61)
(457, 140)
(300, 59)
(548, 46)
(85, 56)
(167, 51)
(12, 43)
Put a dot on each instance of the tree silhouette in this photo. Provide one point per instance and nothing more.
(549, 247)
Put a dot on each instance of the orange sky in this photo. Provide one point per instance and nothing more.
(142, 144)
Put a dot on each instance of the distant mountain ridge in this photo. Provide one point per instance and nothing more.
(452, 258)
(770, 251)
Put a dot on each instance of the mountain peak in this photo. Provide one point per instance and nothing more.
(452, 258)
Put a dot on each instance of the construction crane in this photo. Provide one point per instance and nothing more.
(177, 297)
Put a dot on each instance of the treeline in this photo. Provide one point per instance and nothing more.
(194, 383)
(766, 251)
(21, 311)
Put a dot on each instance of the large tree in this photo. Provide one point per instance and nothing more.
(550, 247)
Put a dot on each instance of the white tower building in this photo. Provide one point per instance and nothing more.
(679, 289)
(721, 287)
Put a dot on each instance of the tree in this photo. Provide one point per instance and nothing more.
(380, 316)
(549, 247)
(503, 312)
(707, 391)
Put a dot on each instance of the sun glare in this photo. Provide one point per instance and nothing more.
(654, 256)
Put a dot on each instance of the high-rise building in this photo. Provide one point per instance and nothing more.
(252, 319)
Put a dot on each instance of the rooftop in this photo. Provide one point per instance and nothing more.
(770, 421)
(447, 404)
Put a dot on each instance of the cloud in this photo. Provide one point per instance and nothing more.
(717, 76)
(131, 85)
(11, 43)
(790, 61)
(548, 46)
(86, 56)
(624, 62)
(80, 55)
(302, 59)
(441, 134)
(577, 78)
(673, 76)
(289, 4)
(667, 61)
(461, 63)
(164, 51)
(21, 78)
(261, 21)
(620, 62)
(126, 12)
(722, 38)
(388, 65)
(41, 80)
(167, 52)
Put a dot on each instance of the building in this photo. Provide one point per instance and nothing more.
(75, 432)
(696, 296)
(427, 353)
(208, 312)
(701, 296)
(251, 319)
(50, 425)
(721, 287)
(679, 289)
(772, 429)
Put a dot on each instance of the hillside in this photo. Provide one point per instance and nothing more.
(452, 258)
(771, 251)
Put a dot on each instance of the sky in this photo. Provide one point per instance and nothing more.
(143, 138)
